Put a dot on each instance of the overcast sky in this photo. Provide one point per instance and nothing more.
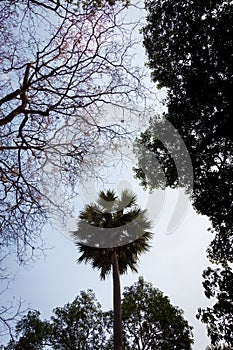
(174, 264)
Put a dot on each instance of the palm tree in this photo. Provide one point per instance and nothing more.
(111, 234)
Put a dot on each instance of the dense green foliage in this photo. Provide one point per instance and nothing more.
(150, 322)
(219, 285)
(190, 51)
(76, 326)
(189, 45)
(31, 333)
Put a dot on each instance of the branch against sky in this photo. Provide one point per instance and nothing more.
(12, 311)
(58, 65)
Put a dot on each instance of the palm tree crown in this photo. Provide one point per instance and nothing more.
(112, 224)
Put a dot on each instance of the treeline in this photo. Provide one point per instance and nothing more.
(149, 322)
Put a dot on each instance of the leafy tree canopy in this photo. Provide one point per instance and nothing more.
(190, 52)
(31, 332)
(76, 326)
(219, 319)
(149, 320)
(189, 45)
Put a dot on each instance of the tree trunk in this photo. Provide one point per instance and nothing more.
(117, 320)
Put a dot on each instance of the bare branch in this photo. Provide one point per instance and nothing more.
(58, 72)
(9, 313)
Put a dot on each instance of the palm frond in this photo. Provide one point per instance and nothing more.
(128, 199)
(107, 200)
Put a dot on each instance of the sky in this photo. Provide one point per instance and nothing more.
(174, 264)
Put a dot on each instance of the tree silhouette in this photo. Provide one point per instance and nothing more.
(77, 325)
(111, 235)
(190, 52)
(151, 322)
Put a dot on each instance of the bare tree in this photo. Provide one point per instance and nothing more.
(10, 312)
(59, 64)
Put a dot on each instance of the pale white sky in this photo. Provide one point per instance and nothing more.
(174, 263)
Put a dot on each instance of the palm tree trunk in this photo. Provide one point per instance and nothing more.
(117, 320)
